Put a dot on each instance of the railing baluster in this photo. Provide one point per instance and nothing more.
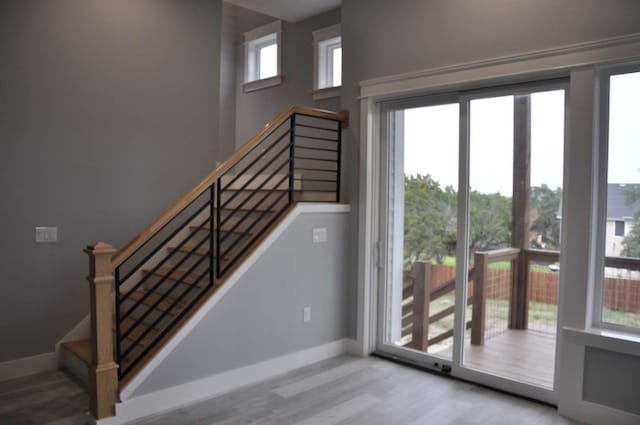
(479, 297)
(339, 160)
(292, 153)
(421, 300)
(212, 192)
(217, 229)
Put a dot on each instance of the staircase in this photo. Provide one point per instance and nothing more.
(142, 294)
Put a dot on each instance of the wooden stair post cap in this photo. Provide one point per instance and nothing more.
(99, 248)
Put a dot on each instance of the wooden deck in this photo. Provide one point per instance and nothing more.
(522, 355)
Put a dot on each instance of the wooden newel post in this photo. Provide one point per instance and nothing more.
(103, 371)
(479, 298)
(421, 300)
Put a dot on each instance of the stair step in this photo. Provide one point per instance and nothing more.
(81, 349)
(152, 298)
(226, 229)
(137, 331)
(188, 247)
(190, 279)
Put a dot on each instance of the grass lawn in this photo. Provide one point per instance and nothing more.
(501, 265)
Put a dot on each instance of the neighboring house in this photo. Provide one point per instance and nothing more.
(620, 217)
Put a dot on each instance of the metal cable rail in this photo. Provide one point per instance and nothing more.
(160, 281)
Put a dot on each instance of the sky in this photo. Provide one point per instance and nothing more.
(431, 139)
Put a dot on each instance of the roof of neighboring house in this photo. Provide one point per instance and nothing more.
(617, 208)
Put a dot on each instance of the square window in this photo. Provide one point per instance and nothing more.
(262, 57)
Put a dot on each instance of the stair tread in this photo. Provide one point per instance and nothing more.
(190, 279)
(81, 349)
(137, 331)
(152, 298)
(207, 227)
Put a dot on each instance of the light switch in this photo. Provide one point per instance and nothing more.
(306, 314)
(46, 234)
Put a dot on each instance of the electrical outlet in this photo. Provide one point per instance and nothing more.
(319, 235)
(306, 314)
(46, 234)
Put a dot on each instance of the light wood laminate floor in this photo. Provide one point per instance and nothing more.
(343, 390)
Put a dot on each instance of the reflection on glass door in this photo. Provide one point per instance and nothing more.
(515, 186)
(425, 171)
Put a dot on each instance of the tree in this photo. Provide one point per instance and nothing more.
(429, 220)
(490, 221)
(631, 242)
(545, 224)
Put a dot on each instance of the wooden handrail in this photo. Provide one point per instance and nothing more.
(129, 249)
(542, 255)
(502, 254)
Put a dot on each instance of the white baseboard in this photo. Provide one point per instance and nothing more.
(26, 366)
(206, 388)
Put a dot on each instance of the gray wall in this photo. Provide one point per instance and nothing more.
(261, 316)
(383, 38)
(611, 379)
(108, 113)
(228, 81)
(255, 109)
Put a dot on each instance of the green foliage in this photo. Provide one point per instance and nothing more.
(490, 216)
(430, 220)
(631, 242)
(545, 203)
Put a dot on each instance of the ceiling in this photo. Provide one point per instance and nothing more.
(288, 10)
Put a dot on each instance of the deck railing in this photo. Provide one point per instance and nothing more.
(425, 284)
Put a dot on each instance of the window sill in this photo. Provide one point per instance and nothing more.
(326, 93)
(262, 84)
(622, 342)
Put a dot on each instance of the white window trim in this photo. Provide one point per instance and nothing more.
(320, 37)
(605, 73)
(251, 50)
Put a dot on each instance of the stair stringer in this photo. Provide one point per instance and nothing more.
(128, 390)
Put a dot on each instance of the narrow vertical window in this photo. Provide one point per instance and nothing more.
(327, 46)
(619, 301)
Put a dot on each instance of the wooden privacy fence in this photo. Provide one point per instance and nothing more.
(519, 285)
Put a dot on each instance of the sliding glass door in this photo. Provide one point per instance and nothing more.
(469, 234)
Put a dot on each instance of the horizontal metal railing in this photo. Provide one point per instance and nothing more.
(160, 279)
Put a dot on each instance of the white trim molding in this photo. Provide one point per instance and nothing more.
(26, 366)
(512, 67)
(212, 386)
(301, 208)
